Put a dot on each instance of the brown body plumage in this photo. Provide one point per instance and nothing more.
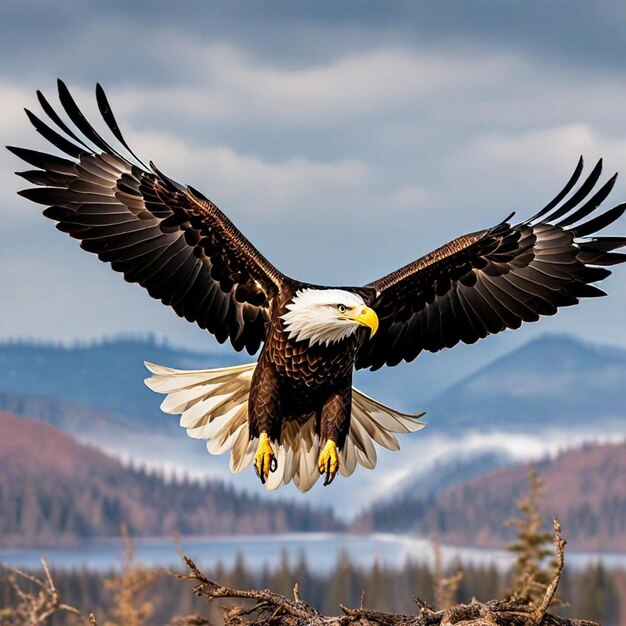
(179, 246)
(295, 378)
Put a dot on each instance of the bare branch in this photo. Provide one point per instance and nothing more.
(559, 544)
(273, 609)
(36, 607)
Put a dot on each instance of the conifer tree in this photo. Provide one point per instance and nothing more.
(342, 583)
(445, 587)
(128, 608)
(532, 546)
(598, 598)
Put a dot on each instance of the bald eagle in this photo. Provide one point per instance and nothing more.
(294, 414)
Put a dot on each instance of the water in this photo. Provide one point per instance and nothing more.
(321, 551)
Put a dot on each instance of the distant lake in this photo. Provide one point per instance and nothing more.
(321, 551)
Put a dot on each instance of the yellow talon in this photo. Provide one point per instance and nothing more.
(328, 461)
(264, 459)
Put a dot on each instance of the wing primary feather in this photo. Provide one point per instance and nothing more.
(43, 160)
(598, 223)
(197, 193)
(54, 116)
(76, 115)
(52, 179)
(107, 115)
(591, 205)
(583, 191)
(53, 137)
(555, 201)
(603, 244)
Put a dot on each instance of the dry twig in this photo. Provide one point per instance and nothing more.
(37, 604)
(548, 598)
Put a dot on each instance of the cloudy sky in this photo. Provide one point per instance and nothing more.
(343, 138)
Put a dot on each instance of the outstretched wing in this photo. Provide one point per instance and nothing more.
(497, 278)
(168, 238)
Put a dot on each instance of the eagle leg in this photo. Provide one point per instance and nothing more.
(328, 461)
(264, 459)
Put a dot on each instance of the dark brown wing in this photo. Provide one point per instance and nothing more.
(168, 238)
(497, 278)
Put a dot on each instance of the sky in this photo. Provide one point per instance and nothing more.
(343, 138)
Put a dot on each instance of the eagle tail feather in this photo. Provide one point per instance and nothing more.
(213, 405)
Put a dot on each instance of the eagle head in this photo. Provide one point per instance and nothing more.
(325, 316)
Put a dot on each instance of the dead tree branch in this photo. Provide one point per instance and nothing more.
(559, 545)
(39, 602)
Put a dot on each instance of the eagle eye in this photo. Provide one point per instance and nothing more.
(342, 308)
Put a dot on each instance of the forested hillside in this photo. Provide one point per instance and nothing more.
(585, 489)
(54, 490)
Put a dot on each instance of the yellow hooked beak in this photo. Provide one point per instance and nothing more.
(364, 316)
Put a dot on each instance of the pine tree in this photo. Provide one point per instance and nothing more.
(128, 608)
(343, 584)
(445, 587)
(598, 599)
(532, 546)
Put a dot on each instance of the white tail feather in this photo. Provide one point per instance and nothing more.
(213, 405)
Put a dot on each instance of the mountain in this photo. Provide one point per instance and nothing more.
(547, 394)
(106, 375)
(552, 382)
(54, 490)
(411, 386)
(584, 488)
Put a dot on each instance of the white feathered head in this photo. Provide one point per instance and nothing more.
(325, 316)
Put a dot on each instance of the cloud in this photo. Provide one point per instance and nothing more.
(531, 166)
(258, 186)
(549, 149)
(410, 197)
(13, 99)
(125, 37)
(395, 472)
(230, 86)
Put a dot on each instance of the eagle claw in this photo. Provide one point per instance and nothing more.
(328, 461)
(264, 459)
